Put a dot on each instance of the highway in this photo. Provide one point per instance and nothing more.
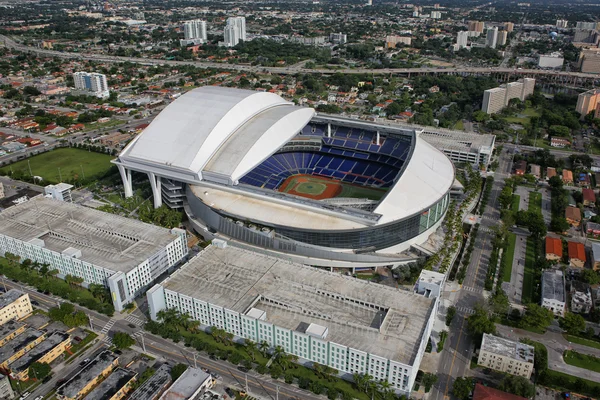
(297, 68)
(263, 386)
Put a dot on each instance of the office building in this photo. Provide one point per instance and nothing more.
(505, 355)
(45, 352)
(476, 26)
(115, 387)
(6, 391)
(509, 27)
(154, 386)
(588, 102)
(496, 99)
(502, 38)
(91, 84)
(553, 291)
(87, 377)
(491, 39)
(562, 23)
(319, 316)
(392, 41)
(189, 385)
(461, 39)
(194, 32)
(552, 61)
(235, 30)
(14, 304)
(60, 192)
(589, 61)
(123, 254)
(436, 14)
(338, 38)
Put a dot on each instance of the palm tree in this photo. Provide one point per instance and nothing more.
(360, 380)
(53, 272)
(251, 348)
(193, 325)
(170, 316)
(98, 291)
(264, 347)
(328, 372)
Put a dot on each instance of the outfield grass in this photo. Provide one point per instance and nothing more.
(528, 276)
(585, 361)
(516, 199)
(508, 258)
(73, 164)
(360, 192)
(582, 341)
(535, 202)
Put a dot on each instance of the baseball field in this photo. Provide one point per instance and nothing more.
(319, 188)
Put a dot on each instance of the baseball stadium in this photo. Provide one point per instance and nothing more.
(264, 174)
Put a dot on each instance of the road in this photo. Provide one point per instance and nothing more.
(299, 67)
(259, 385)
(456, 357)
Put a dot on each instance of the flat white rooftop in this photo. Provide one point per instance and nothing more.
(369, 317)
(106, 240)
(507, 348)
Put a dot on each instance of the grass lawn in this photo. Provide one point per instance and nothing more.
(535, 202)
(582, 341)
(572, 357)
(516, 199)
(109, 124)
(528, 277)
(555, 380)
(71, 162)
(508, 258)
(459, 125)
(527, 114)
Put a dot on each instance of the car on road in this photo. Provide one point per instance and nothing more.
(24, 396)
(132, 325)
(39, 398)
(230, 392)
(242, 368)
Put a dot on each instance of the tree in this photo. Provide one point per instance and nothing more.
(590, 276)
(517, 385)
(537, 316)
(450, 315)
(177, 370)
(499, 302)
(572, 323)
(31, 91)
(122, 340)
(480, 322)
(462, 388)
(39, 371)
(429, 380)
(251, 348)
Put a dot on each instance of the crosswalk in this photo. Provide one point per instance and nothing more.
(472, 289)
(137, 334)
(466, 310)
(108, 325)
(135, 320)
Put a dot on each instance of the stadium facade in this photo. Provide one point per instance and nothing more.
(252, 168)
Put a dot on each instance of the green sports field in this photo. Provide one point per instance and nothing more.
(319, 188)
(71, 162)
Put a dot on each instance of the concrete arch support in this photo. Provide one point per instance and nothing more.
(126, 178)
(156, 184)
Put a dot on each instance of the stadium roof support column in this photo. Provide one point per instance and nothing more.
(328, 130)
(156, 184)
(378, 139)
(126, 178)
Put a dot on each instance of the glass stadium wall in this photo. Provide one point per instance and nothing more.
(315, 243)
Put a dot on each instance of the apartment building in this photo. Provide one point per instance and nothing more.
(91, 83)
(45, 352)
(553, 291)
(235, 31)
(91, 374)
(505, 355)
(588, 102)
(496, 99)
(14, 304)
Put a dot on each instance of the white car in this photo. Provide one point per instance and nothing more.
(24, 396)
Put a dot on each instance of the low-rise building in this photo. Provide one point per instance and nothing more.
(553, 249)
(14, 304)
(430, 283)
(88, 376)
(154, 386)
(592, 228)
(581, 297)
(536, 171)
(18, 346)
(596, 255)
(559, 142)
(115, 387)
(584, 180)
(10, 330)
(573, 215)
(189, 385)
(550, 172)
(6, 391)
(45, 352)
(589, 197)
(576, 254)
(595, 290)
(505, 355)
(521, 167)
(567, 176)
(60, 192)
(553, 291)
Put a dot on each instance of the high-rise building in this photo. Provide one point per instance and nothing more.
(585, 36)
(502, 38)
(588, 102)
(496, 99)
(461, 39)
(476, 26)
(194, 32)
(369, 2)
(553, 60)
(338, 38)
(589, 61)
(528, 87)
(91, 83)
(436, 14)
(235, 31)
(562, 23)
(493, 100)
(585, 25)
(509, 26)
(492, 37)
(392, 41)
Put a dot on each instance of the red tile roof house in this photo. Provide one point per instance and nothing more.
(576, 254)
(589, 198)
(487, 393)
(553, 249)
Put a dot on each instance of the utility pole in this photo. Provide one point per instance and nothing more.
(277, 393)
(246, 376)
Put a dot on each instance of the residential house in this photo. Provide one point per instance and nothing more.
(573, 215)
(596, 255)
(567, 176)
(595, 290)
(576, 254)
(536, 171)
(559, 142)
(521, 167)
(581, 297)
(550, 172)
(592, 228)
(589, 197)
(553, 249)
(584, 180)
